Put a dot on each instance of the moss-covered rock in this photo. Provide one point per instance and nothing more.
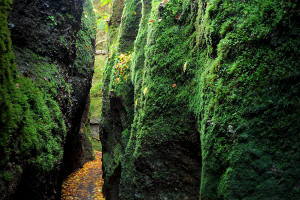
(46, 71)
(215, 102)
(80, 77)
(247, 102)
(146, 166)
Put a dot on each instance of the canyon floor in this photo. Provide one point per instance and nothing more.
(85, 183)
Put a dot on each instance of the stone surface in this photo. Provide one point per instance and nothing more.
(211, 107)
(100, 52)
(47, 82)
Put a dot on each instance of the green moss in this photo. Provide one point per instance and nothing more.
(164, 82)
(112, 161)
(154, 92)
(45, 73)
(246, 98)
(7, 176)
(231, 64)
(87, 131)
(96, 145)
(116, 12)
(40, 125)
(85, 40)
(129, 25)
(32, 125)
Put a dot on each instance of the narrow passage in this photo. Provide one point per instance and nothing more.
(86, 183)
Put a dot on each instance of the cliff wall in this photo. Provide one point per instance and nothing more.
(47, 55)
(200, 101)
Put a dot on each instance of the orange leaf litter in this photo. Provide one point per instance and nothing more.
(85, 183)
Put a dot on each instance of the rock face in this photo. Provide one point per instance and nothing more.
(46, 74)
(200, 101)
(94, 124)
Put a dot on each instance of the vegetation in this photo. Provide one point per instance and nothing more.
(246, 93)
(38, 95)
(85, 42)
(95, 93)
(214, 82)
(102, 10)
(32, 126)
(196, 99)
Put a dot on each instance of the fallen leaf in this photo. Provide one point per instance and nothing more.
(145, 90)
(184, 66)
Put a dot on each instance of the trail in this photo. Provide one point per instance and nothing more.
(86, 183)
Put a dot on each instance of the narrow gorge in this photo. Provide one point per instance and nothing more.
(191, 100)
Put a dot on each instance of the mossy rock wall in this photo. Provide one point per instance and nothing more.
(247, 103)
(211, 105)
(46, 70)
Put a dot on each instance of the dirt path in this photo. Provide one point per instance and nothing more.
(86, 183)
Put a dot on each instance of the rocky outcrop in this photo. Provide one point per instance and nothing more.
(45, 81)
(200, 101)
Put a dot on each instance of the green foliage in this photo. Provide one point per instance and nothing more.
(7, 176)
(87, 131)
(97, 77)
(102, 14)
(52, 21)
(96, 145)
(102, 23)
(121, 69)
(105, 2)
(96, 89)
(43, 72)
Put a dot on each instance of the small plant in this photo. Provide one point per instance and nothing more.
(52, 21)
(121, 69)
